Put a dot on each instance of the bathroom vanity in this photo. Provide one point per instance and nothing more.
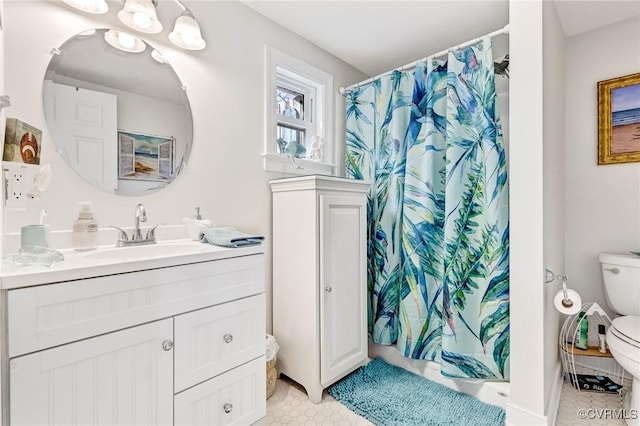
(157, 335)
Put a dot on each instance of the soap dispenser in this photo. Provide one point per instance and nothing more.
(85, 229)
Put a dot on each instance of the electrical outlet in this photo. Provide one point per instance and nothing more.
(15, 188)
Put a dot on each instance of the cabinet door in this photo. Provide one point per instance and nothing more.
(121, 378)
(343, 309)
(237, 397)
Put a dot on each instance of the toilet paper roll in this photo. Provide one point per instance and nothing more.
(573, 296)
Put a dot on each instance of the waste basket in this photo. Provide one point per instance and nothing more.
(272, 374)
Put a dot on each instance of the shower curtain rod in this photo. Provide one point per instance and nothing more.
(504, 30)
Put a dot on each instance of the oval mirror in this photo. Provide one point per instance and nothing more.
(119, 116)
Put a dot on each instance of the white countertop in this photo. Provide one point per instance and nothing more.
(109, 260)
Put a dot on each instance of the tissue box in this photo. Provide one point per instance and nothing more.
(21, 142)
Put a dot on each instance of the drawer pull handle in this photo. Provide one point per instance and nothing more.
(167, 345)
(328, 289)
(227, 408)
(228, 338)
(615, 271)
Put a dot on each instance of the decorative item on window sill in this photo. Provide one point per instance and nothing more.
(291, 148)
(293, 162)
(315, 154)
(140, 15)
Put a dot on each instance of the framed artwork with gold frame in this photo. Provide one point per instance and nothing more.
(619, 120)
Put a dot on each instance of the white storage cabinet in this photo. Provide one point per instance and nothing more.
(319, 279)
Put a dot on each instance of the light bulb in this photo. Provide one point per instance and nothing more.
(126, 40)
(141, 20)
(89, 6)
(188, 37)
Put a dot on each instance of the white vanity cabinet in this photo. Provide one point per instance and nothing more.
(319, 279)
(181, 345)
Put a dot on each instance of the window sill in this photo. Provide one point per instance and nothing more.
(282, 164)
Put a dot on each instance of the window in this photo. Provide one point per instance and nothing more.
(299, 133)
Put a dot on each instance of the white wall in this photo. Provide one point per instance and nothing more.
(527, 400)
(225, 84)
(553, 178)
(602, 202)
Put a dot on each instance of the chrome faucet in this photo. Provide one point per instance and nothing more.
(136, 235)
(141, 216)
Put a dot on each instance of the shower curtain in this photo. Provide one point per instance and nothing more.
(430, 143)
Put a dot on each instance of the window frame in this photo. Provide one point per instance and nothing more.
(294, 74)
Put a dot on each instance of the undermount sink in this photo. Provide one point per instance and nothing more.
(148, 251)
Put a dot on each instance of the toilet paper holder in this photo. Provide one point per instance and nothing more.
(566, 301)
(550, 276)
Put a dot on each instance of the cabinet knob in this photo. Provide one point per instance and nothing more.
(613, 270)
(167, 345)
(228, 338)
(227, 407)
(328, 289)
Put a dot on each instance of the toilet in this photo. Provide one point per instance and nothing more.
(621, 275)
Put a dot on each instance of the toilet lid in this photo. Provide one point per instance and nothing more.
(628, 326)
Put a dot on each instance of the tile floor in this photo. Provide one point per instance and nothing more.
(289, 405)
(573, 404)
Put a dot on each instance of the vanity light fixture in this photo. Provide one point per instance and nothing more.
(90, 6)
(186, 32)
(124, 41)
(140, 15)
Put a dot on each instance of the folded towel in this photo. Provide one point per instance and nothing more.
(229, 237)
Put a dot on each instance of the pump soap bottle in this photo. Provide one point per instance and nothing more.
(85, 229)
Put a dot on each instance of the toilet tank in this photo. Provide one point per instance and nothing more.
(621, 277)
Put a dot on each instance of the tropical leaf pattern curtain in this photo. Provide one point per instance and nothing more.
(430, 142)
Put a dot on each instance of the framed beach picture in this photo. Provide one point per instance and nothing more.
(619, 120)
(145, 157)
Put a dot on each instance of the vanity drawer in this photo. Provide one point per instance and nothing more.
(213, 340)
(49, 315)
(237, 397)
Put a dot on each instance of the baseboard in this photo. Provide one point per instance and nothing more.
(517, 416)
(554, 396)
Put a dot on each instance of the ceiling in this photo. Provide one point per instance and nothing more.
(376, 36)
(579, 16)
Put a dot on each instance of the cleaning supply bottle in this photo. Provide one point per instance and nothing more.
(583, 332)
(602, 344)
(85, 229)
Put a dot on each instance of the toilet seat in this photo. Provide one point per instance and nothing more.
(627, 329)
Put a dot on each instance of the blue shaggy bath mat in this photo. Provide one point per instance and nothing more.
(391, 396)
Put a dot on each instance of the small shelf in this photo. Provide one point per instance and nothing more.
(591, 351)
(600, 364)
